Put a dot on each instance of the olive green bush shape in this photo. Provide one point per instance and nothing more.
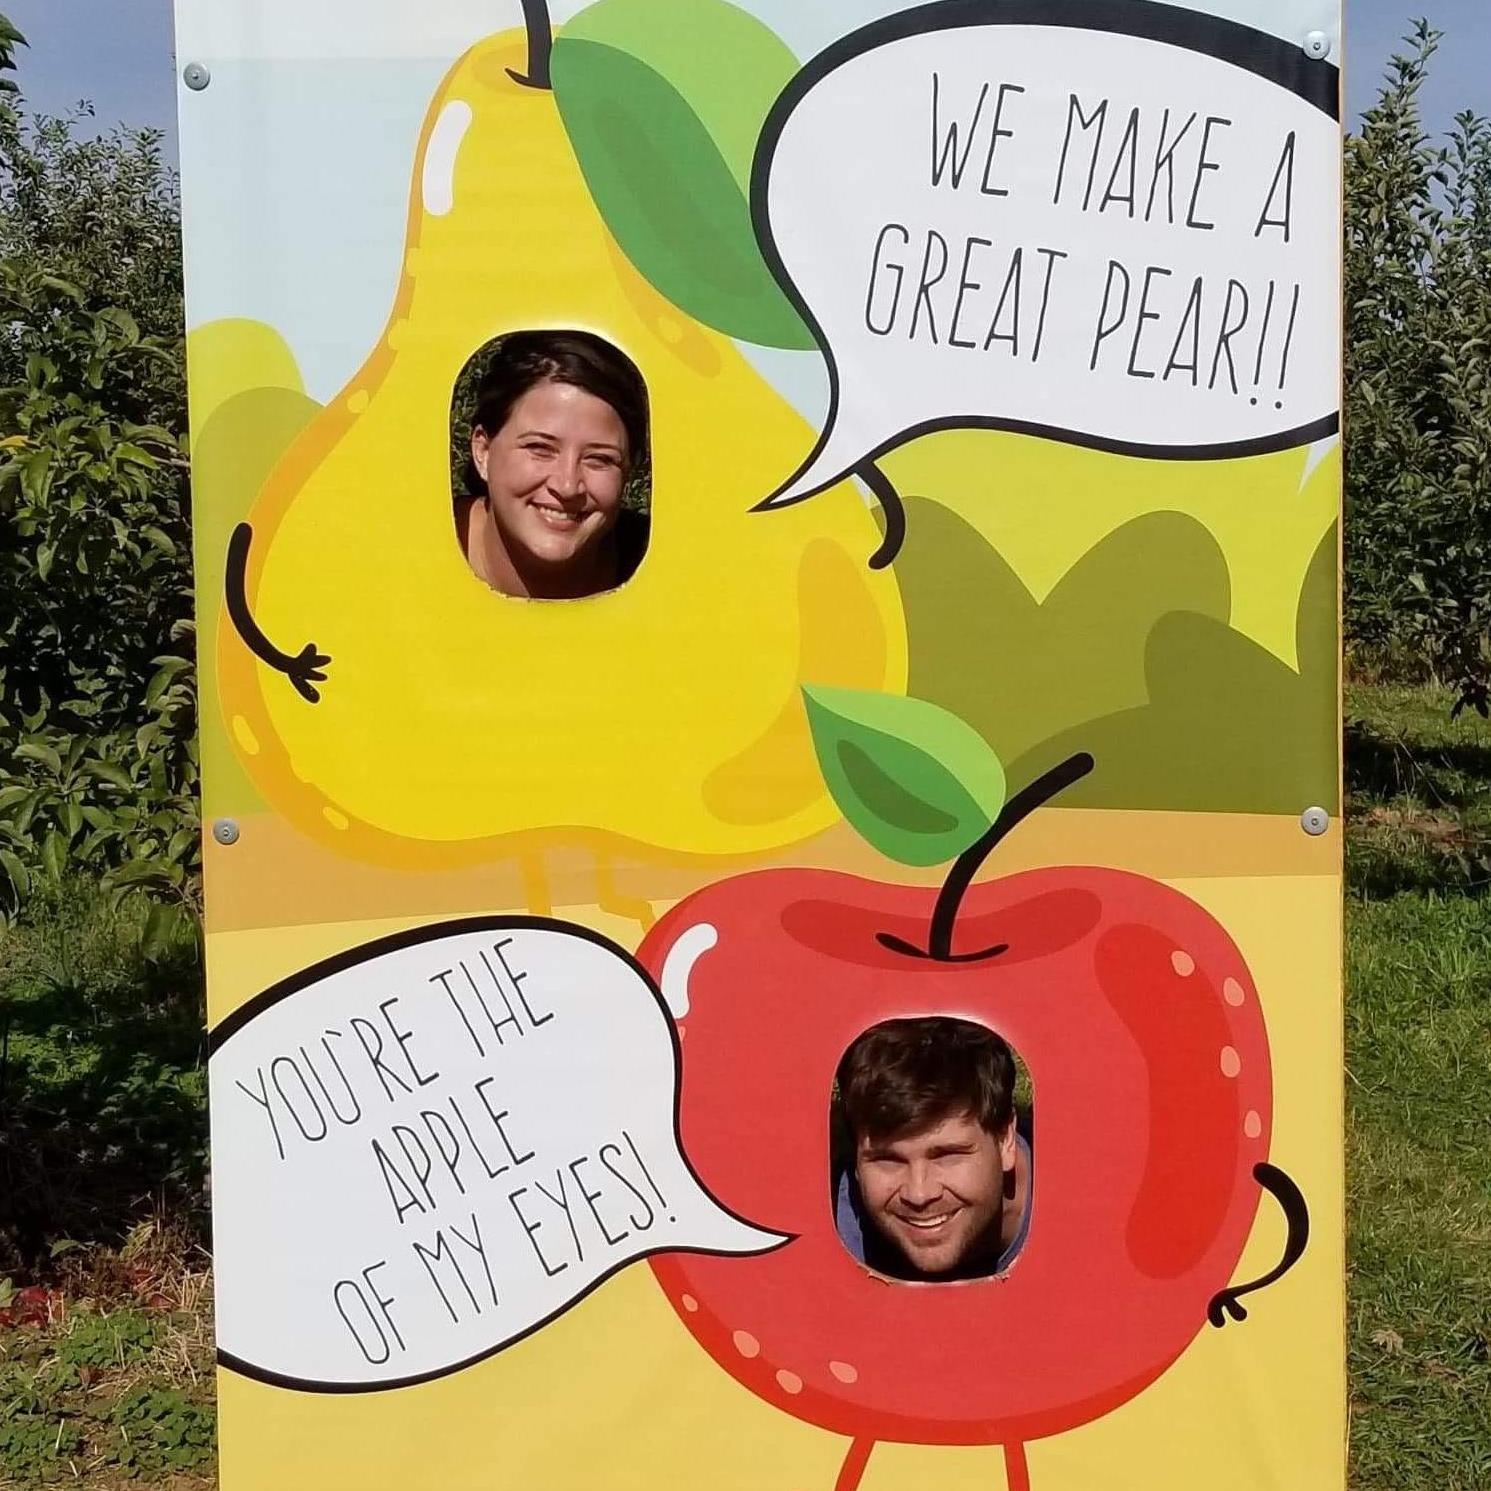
(1418, 398)
(1020, 671)
(1130, 658)
(1227, 727)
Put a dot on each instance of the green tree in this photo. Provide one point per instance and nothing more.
(97, 696)
(1418, 399)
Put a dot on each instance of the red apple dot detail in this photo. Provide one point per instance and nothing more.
(1190, 1168)
(746, 1344)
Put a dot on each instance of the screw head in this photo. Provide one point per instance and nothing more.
(225, 831)
(1315, 821)
(195, 76)
(1317, 46)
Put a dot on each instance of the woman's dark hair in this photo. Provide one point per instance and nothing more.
(906, 1075)
(526, 358)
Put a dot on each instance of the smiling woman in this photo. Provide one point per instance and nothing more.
(932, 1175)
(558, 429)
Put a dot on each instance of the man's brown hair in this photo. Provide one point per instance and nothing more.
(905, 1075)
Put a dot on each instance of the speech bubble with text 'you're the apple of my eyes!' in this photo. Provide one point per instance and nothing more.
(1108, 222)
(430, 1146)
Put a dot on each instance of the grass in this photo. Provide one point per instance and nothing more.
(105, 1320)
(105, 1362)
(1418, 1040)
(111, 1393)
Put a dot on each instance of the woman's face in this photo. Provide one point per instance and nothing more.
(554, 474)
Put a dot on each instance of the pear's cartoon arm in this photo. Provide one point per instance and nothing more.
(306, 668)
(890, 504)
(1296, 1217)
(540, 44)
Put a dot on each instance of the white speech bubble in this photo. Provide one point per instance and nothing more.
(430, 1146)
(1113, 224)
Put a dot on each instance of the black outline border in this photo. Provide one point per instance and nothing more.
(1269, 57)
(366, 952)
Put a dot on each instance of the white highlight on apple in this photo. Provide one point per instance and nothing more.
(1087, 235)
(438, 174)
(426, 1151)
(688, 947)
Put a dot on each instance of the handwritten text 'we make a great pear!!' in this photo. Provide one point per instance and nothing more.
(464, 1149)
(1152, 166)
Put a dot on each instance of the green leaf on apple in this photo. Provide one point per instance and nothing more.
(913, 780)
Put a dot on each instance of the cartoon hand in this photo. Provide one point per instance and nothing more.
(1225, 1303)
(307, 667)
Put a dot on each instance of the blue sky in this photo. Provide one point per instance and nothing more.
(118, 54)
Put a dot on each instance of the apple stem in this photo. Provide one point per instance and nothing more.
(540, 44)
(970, 861)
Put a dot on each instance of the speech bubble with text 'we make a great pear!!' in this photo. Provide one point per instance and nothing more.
(1108, 222)
(428, 1147)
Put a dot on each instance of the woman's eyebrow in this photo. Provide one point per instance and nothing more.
(589, 444)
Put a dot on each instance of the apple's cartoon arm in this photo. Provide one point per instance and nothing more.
(1296, 1216)
(540, 44)
(306, 668)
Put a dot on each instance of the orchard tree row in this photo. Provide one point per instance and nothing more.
(98, 759)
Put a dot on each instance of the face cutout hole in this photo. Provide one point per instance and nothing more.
(550, 465)
(932, 1151)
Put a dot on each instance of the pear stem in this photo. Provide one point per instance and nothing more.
(540, 45)
(968, 864)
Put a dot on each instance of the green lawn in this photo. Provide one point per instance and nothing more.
(1418, 1042)
(108, 1381)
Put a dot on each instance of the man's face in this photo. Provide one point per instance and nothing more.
(937, 1193)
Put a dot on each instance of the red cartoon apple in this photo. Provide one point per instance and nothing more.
(1143, 1035)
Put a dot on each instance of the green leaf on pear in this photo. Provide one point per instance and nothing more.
(916, 782)
(663, 102)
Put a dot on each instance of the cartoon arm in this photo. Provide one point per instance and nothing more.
(889, 499)
(307, 668)
(1296, 1216)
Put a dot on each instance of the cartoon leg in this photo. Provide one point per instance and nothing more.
(306, 668)
(609, 897)
(851, 1472)
(1016, 1471)
(536, 890)
(1296, 1216)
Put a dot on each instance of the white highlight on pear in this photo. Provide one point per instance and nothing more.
(438, 176)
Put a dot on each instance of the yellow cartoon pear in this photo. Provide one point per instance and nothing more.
(388, 702)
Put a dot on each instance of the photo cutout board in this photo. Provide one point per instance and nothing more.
(768, 612)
